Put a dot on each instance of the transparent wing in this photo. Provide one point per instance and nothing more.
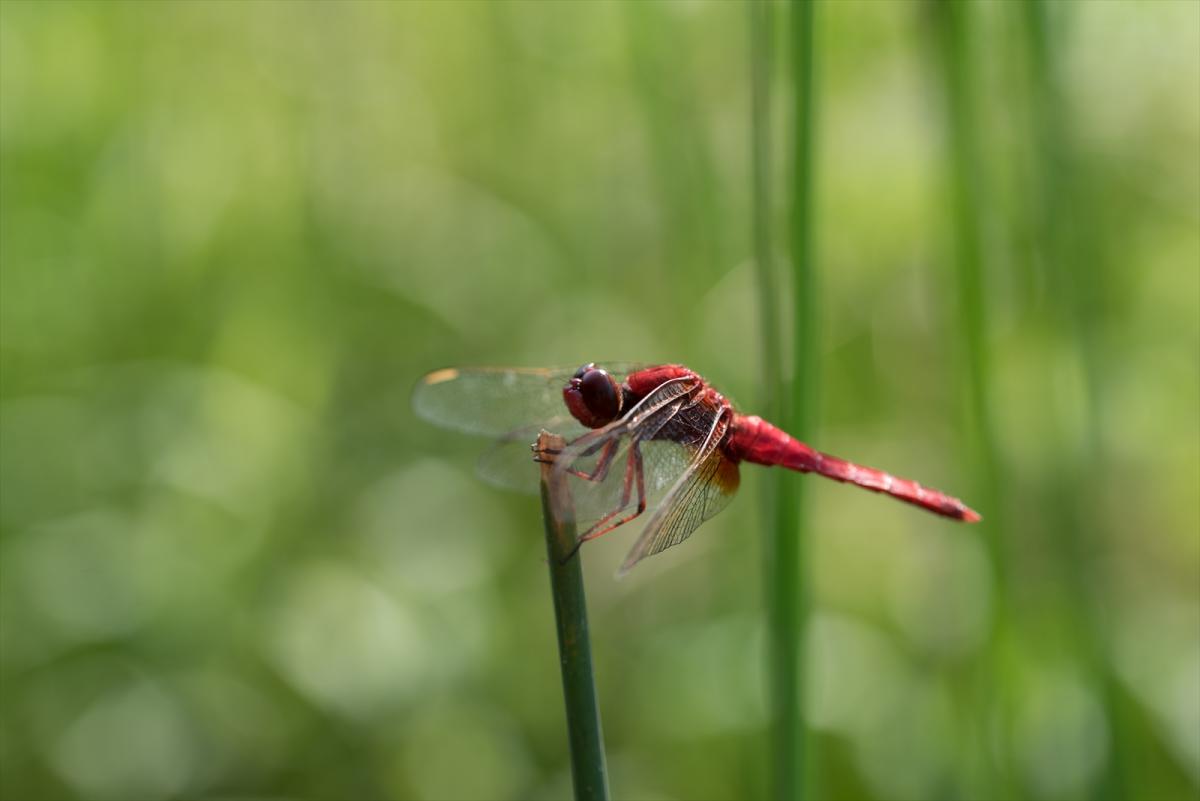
(509, 464)
(639, 473)
(497, 401)
(704, 488)
(492, 401)
(617, 472)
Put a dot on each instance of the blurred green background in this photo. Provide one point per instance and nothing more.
(233, 563)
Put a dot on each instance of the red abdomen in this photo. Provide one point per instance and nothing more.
(755, 440)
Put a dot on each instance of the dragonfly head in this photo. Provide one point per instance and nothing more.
(593, 396)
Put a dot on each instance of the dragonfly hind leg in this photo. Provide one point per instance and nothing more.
(634, 476)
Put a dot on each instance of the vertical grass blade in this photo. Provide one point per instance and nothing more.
(788, 566)
(990, 696)
(1075, 275)
(682, 167)
(588, 771)
(778, 508)
(761, 64)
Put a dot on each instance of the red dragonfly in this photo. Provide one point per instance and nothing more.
(638, 438)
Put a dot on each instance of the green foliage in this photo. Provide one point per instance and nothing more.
(233, 563)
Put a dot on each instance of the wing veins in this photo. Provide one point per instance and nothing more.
(676, 518)
(632, 419)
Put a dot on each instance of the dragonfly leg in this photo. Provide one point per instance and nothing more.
(634, 475)
(598, 473)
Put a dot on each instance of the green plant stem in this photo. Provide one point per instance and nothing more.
(788, 571)
(1060, 211)
(776, 523)
(588, 770)
(761, 60)
(780, 668)
(989, 688)
(778, 512)
(682, 168)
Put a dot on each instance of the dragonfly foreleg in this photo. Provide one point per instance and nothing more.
(598, 473)
(607, 448)
(634, 476)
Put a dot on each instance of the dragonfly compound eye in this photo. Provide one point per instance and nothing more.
(593, 397)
